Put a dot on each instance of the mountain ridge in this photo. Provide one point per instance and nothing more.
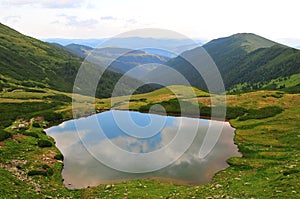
(242, 58)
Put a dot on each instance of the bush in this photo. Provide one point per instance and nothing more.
(52, 116)
(36, 172)
(59, 157)
(44, 143)
(4, 135)
(59, 97)
(234, 112)
(36, 125)
(44, 170)
(261, 113)
(32, 134)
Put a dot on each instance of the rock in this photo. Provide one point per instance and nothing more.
(108, 186)
(218, 186)
(291, 166)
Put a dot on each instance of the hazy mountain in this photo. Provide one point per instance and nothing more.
(241, 58)
(160, 46)
(79, 50)
(28, 62)
(85, 42)
(120, 60)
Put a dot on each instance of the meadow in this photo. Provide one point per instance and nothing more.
(267, 133)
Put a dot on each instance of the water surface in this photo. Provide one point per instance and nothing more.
(82, 143)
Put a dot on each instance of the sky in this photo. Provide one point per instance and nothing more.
(277, 20)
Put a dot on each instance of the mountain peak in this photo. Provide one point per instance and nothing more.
(245, 41)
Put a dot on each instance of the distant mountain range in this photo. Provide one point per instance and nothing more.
(246, 62)
(85, 42)
(138, 43)
(122, 59)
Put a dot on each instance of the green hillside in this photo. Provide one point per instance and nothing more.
(35, 63)
(26, 62)
(245, 59)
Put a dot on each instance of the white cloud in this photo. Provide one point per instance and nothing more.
(46, 3)
(108, 18)
(12, 19)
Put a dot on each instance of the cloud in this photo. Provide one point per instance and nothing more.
(124, 20)
(46, 3)
(12, 19)
(108, 18)
(131, 21)
(74, 21)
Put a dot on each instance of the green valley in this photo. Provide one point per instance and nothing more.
(263, 105)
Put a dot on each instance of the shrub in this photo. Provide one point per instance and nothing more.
(44, 170)
(36, 124)
(59, 156)
(4, 135)
(32, 134)
(261, 113)
(36, 172)
(44, 143)
(234, 112)
(52, 116)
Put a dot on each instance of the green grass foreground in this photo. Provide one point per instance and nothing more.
(269, 168)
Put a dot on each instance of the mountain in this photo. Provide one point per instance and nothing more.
(243, 58)
(27, 62)
(84, 42)
(122, 59)
(79, 50)
(148, 44)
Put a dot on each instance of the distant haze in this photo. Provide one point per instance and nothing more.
(129, 42)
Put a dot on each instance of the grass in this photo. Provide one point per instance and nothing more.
(269, 168)
(24, 95)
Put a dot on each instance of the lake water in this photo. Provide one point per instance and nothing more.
(115, 146)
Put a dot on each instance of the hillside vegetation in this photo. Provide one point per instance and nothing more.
(245, 59)
(26, 62)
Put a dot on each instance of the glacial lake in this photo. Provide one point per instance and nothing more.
(115, 146)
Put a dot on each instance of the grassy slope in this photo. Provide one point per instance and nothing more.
(27, 62)
(35, 63)
(269, 168)
(245, 59)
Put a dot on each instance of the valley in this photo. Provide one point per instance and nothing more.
(261, 78)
